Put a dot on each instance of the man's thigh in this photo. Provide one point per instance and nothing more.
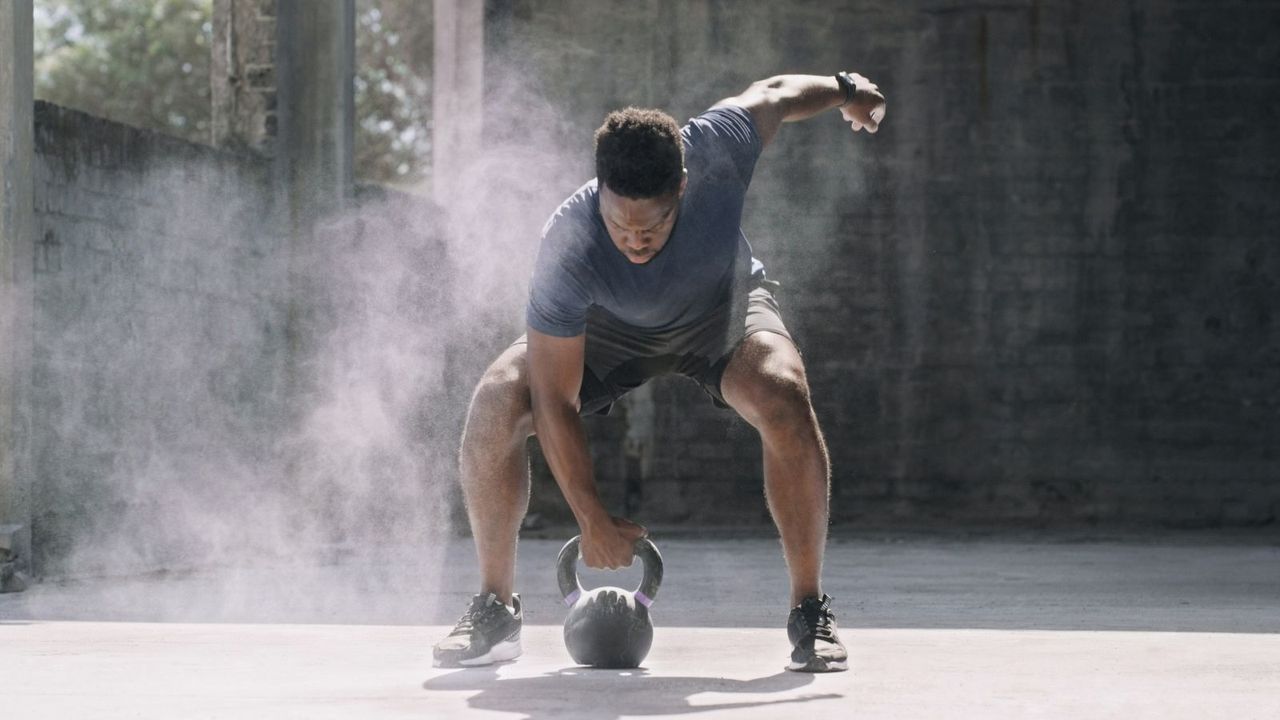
(594, 396)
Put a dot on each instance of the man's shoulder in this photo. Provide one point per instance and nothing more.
(724, 122)
(571, 236)
(577, 214)
(722, 143)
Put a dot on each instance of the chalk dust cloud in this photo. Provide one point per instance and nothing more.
(273, 425)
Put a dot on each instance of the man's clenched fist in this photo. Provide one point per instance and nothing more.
(866, 110)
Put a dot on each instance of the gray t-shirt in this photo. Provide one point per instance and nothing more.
(706, 262)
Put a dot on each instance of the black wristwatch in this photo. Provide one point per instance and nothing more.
(845, 80)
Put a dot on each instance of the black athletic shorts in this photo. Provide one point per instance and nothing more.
(621, 357)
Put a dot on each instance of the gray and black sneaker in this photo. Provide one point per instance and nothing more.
(487, 633)
(814, 644)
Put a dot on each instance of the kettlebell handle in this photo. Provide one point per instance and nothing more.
(571, 587)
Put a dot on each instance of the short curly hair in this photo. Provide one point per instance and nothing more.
(639, 153)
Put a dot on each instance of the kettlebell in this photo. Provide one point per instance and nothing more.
(608, 627)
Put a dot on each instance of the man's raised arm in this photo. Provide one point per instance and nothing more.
(555, 374)
(787, 98)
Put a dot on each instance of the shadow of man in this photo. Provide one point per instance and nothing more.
(610, 694)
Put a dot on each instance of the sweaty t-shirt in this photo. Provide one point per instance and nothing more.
(705, 263)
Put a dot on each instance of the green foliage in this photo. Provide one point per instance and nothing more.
(141, 63)
(146, 63)
(393, 102)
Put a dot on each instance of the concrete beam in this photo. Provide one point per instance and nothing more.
(314, 158)
(457, 89)
(17, 236)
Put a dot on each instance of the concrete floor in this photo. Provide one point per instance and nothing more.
(1027, 625)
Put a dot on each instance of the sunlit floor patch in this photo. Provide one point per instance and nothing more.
(159, 670)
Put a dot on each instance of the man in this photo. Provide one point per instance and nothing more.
(645, 271)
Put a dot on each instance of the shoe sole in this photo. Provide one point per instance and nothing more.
(502, 652)
(819, 665)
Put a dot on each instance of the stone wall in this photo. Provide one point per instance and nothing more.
(1046, 292)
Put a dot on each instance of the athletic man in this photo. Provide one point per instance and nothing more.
(644, 271)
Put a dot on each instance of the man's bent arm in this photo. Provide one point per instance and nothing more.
(555, 374)
(788, 98)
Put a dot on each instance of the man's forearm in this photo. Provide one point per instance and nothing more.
(564, 444)
(802, 96)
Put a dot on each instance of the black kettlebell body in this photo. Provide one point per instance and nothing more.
(609, 627)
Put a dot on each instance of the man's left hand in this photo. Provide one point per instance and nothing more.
(866, 110)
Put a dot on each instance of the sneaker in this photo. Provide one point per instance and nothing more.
(487, 633)
(814, 644)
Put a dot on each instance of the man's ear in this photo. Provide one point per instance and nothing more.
(684, 181)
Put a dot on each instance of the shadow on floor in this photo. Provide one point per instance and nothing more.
(613, 693)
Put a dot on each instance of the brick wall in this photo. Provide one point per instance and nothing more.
(1045, 292)
(243, 74)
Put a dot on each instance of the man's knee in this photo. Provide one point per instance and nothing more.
(770, 388)
(502, 395)
(779, 398)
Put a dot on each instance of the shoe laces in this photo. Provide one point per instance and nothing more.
(478, 610)
(816, 618)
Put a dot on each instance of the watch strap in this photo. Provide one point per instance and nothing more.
(845, 80)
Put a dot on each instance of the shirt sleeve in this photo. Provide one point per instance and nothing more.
(728, 134)
(559, 293)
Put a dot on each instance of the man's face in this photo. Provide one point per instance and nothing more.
(640, 227)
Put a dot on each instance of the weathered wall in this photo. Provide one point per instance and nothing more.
(166, 433)
(1045, 292)
(158, 340)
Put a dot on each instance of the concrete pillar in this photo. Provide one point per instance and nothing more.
(242, 75)
(315, 93)
(17, 234)
(457, 93)
(315, 138)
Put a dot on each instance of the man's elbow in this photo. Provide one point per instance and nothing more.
(768, 93)
(551, 408)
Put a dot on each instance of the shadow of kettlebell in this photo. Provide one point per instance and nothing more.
(608, 627)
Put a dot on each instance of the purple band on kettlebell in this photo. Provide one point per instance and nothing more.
(572, 597)
(643, 599)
